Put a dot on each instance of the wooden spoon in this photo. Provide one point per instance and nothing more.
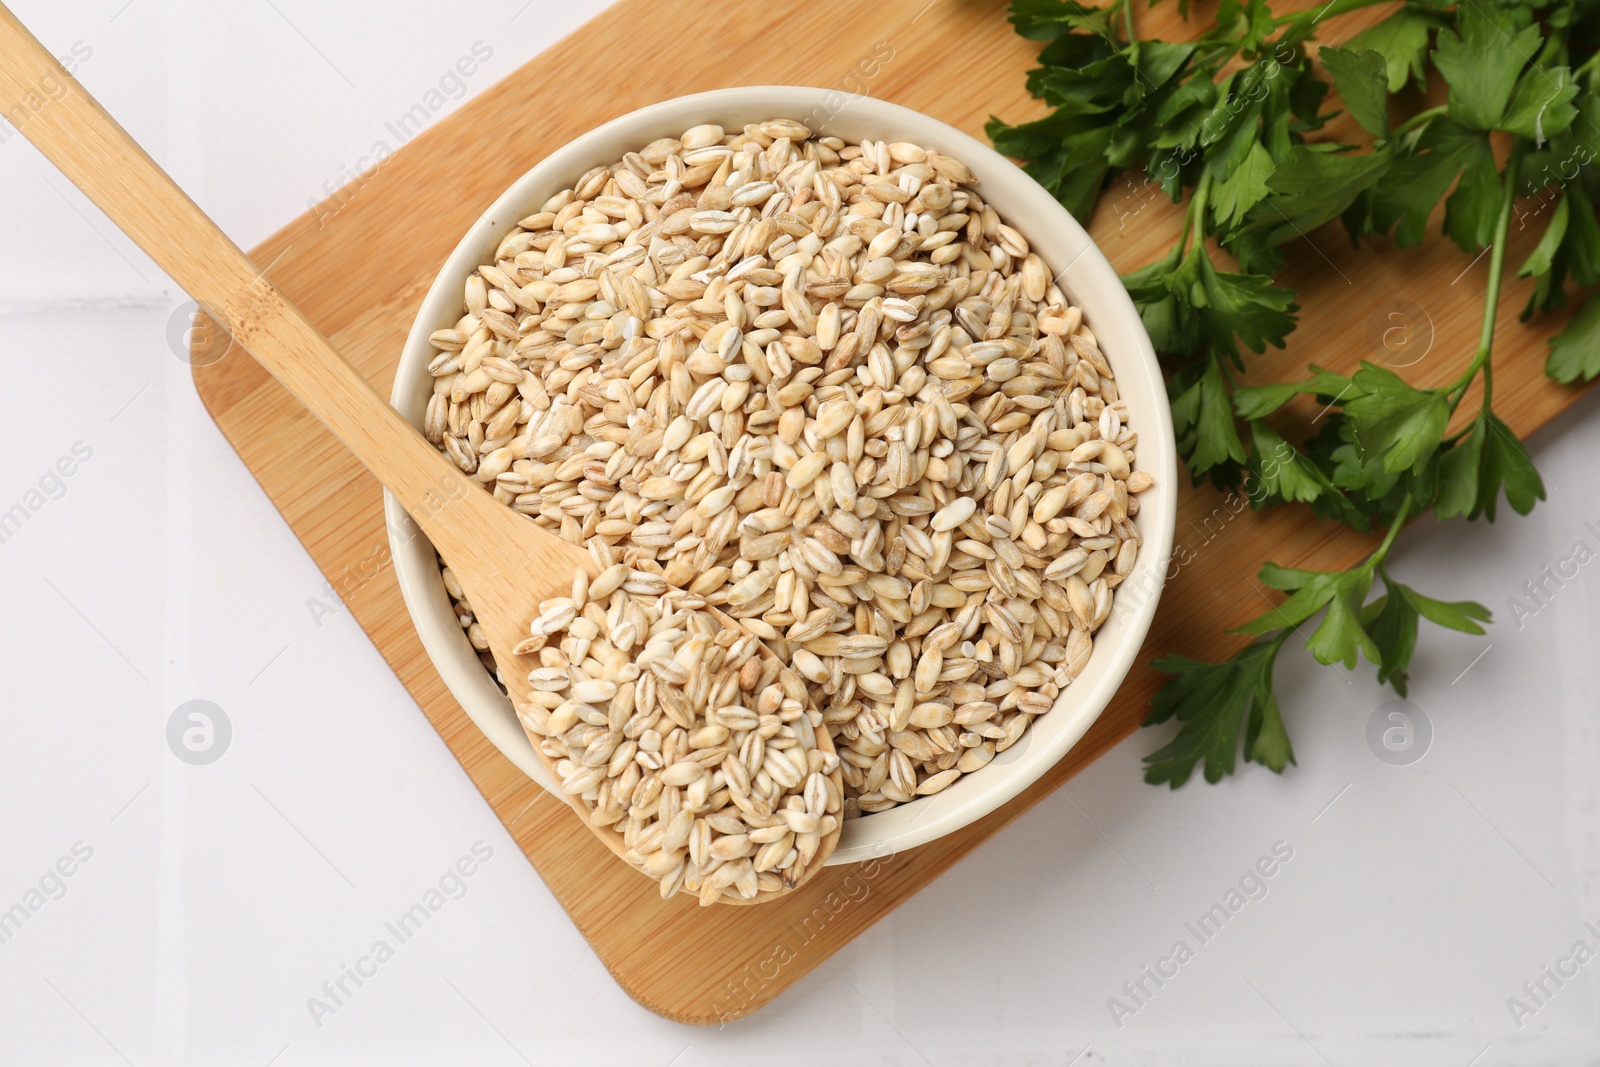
(506, 564)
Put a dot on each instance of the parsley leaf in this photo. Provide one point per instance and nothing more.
(1575, 352)
(1248, 306)
(1466, 616)
(1203, 418)
(1341, 638)
(1407, 193)
(1391, 621)
(1362, 81)
(1315, 591)
(1360, 473)
(1570, 247)
(1104, 98)
(1543, 257)
(1286, 474)
(1542, 107)
(1211, 700)
(1287, 579)
(1188, 305)
(1247, 20)
(1244, 188)
(1313, 185)
(1470, 212)
(1045, 20)
(1395, 421)
(1259, 401)
(1488, 459)
(1482, 58)
(1266, 740)
(1064, 155)
(1402, 40)
(1460, 470)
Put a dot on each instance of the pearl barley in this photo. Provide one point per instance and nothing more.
(827, 389)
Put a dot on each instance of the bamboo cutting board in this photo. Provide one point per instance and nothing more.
(360, 263)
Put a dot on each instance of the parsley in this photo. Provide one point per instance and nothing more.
(1575, 352)
(1482, 57)
(1199, 696)
(1362, 79)
(1230, 121)
(1402, 41)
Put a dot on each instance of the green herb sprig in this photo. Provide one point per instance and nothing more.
(1229, 119)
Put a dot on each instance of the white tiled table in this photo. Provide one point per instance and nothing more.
(216, 900)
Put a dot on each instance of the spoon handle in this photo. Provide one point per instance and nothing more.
(86, 144)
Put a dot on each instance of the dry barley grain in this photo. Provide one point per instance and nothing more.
(827, 389)
(644, 738)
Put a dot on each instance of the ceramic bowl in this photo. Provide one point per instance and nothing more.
(1082, 272)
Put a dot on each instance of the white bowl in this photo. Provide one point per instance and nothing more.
(1084, 275)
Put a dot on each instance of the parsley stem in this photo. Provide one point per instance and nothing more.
(1399, 520)
(1197, 211)
(1419, 119)
(1491, 298)
(1305, 22)
(1127, 20)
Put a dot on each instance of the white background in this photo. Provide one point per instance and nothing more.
(219, 898)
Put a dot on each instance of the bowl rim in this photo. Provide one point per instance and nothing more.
(1027, 207)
